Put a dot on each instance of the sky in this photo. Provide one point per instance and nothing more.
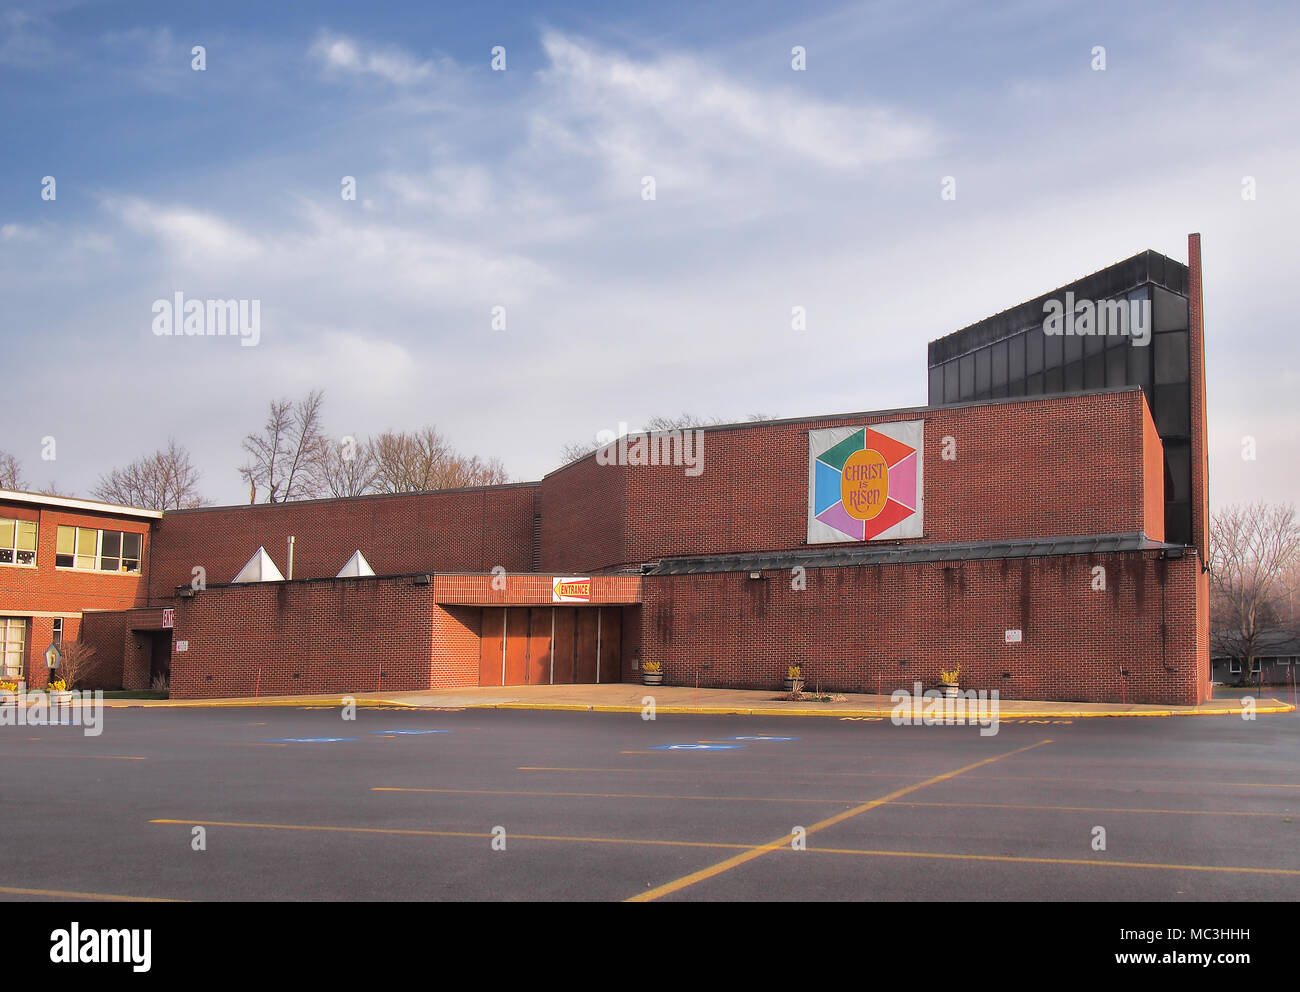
(525, 189)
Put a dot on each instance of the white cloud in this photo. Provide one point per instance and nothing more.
(345, 55)
(689, 119)
(192, 235)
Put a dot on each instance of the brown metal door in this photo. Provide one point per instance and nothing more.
(562, 649)
(585, 664)
(611, 644)
(489, 658)
(539, 646)
(516, 645)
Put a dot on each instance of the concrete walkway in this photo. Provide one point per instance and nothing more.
(629, 698)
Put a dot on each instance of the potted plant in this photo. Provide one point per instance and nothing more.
(793, 678)
(8, 692)
(652, 673)
(948, 681)
(58, 690)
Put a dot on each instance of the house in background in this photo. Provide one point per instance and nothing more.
(1277, 662)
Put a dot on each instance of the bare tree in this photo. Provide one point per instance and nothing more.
(11, 472)
(1252, 548)
(284, 459)
(418, 461)
(346, 467)
(165, 480)
(581, 449)
(76, 665)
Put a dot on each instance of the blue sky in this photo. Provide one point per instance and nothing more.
(522, 189)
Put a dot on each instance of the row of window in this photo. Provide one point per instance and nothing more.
(1234, 664)
(78, 547)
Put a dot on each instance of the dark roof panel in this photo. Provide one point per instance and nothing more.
(900, 554)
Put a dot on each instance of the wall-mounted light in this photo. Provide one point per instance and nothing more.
(755, 575)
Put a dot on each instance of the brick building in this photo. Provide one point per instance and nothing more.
(1035, 524)
(61, 559)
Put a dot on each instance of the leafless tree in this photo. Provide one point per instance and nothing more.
(11, 472)
(284, 459)
(1252, 548)
(165, 480)
(76, 665)
(581, 449)
(346, 467)
(418, 461)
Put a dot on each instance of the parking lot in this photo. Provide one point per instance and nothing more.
(297, 803)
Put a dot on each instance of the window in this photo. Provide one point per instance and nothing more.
(17, 542)
(98, 550)
(13, 631)
(1234, 666)
(58, 630)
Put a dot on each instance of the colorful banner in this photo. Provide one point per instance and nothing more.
(570, 589)
(864, 483)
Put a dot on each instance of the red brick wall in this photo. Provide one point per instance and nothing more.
(583, 509)
(122, 658)
(1040, 468)
(451, 530)
(530, 589)
(851, 627)
(456, 631)
(304, 637)
(25, 590)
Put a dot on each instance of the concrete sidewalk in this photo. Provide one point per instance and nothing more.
(629, 698)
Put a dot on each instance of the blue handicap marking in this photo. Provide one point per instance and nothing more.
(697, 747)
(763, 738)
(311, 740)
(410, 731)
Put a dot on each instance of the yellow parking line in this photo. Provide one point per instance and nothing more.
(649, 842)
(450, 833)
(615, 795)
(79, 757)
(768, 773)
(757, 852)
(1095, 809)
(95, 896)
(1054, 861)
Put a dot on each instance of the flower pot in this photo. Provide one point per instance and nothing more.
(60, 697)
(652, 678)
(950, 691)
(789, 684)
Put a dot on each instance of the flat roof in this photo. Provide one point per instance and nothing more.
(1144, 267)
(903, 554)
(85, 505)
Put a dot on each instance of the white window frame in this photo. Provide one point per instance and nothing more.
(99, 551)
(13, 549)
(7, 624)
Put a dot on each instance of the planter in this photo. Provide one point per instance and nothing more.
(652, 678)
(950, 691)
(60, 697)
(789, 684)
